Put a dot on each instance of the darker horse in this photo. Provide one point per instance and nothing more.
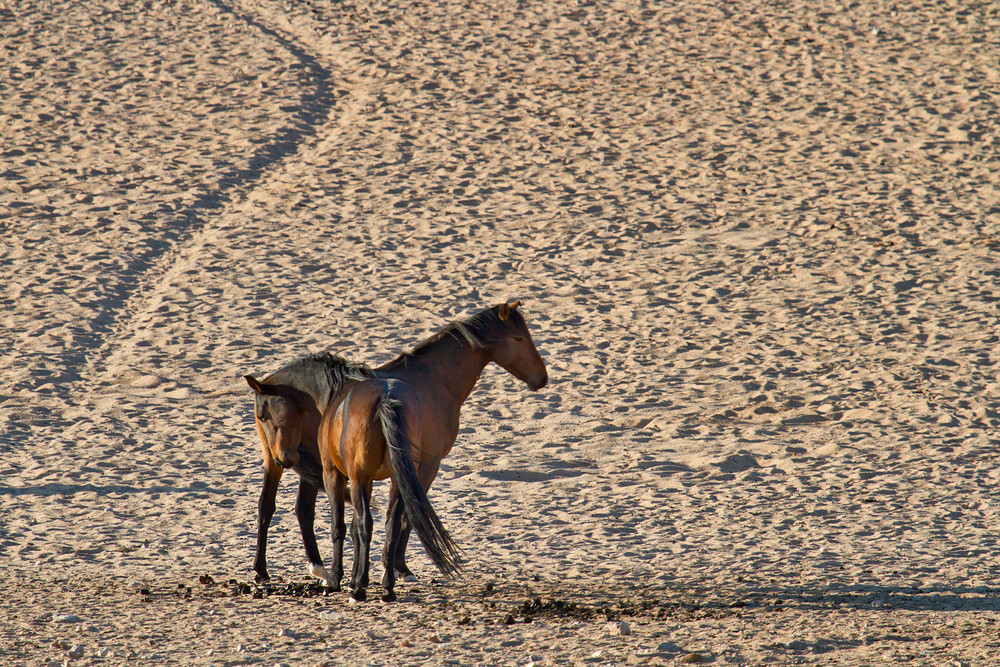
(443, 371)
(288, 408)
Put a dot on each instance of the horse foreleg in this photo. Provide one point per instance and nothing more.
(265, 510)
(305, 512)
(397, 525)
(427, 473)
(361, 532)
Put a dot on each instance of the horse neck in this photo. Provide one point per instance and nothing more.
(453, 365)
(310, 395)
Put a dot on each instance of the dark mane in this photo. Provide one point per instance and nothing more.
(321, 375)
(480, 331)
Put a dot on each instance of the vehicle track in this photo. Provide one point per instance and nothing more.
(199, 221)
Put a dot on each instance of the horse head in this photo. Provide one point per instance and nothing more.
(515, 351)
(279, 414)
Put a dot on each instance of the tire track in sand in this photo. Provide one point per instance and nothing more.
(207, 215)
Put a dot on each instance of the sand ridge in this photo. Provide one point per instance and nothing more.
(757, 247)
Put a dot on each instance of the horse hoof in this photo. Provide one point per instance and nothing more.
(406, 576)
(359, 595)
(261, 578)
(320, 572)
(388, 596)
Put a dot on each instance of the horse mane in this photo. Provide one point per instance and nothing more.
(321, 374)
(479, 332)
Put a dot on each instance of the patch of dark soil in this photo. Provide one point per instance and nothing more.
(236, 588)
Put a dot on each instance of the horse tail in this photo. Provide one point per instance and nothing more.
(436, 540)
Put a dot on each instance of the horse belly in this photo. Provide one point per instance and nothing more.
(438, 436)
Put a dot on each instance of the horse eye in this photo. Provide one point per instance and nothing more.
(518, 339)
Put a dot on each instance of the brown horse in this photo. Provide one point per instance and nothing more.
(442, 371)
(370, 433)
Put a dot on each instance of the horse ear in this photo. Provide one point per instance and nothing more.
(254, 384)
(507, 308)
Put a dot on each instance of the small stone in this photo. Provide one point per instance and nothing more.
(669, 647)
(405, 644)
(434, 639)
(61, 644)
(240, 648)
(618, 628)
(285, 632)
(105, 653)
(691, 659)
(77, 651)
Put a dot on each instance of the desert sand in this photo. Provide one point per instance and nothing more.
(758, 246)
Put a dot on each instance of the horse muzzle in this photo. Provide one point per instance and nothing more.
(538, 382)
(287, 461)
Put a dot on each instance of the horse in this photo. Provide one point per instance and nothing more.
(370, 433)
(288, 408)
(443, 371)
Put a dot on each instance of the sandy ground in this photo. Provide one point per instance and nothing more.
(757, 244)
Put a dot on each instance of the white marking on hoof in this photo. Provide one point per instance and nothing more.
(351, 600)
(320, 571)
(405, 577)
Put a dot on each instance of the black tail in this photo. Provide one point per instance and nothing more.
(436, 540)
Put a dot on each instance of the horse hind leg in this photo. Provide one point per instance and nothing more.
(393, 531)
(361, 531)
(334, 482)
